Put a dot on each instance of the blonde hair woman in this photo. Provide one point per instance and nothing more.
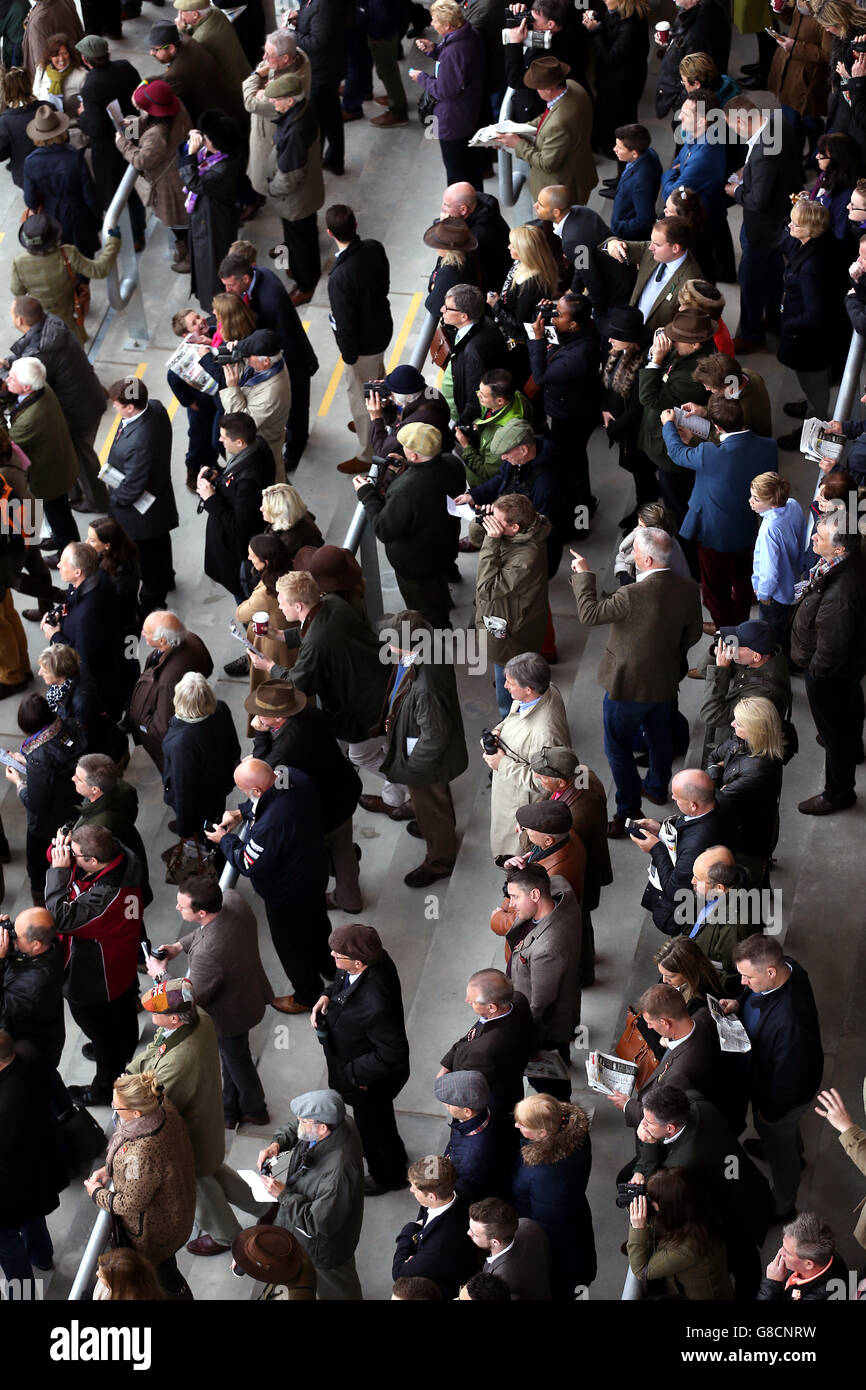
(285, 515)
(549, 1186)
(532, 276)
(747, 770)
(150, 1162)
(200, 752)
(456, 88)
(814, 320)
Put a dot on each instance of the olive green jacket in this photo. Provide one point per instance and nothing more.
(47, 279)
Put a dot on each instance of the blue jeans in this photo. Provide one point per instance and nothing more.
(761, 270)
(503, 699)
(30, 1242)
(622, 718)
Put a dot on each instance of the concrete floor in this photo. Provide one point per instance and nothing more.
(394, 182)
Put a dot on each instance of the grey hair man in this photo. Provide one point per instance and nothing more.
(500, 1041)
(806, 1264)
(174, 651)
(281, 54)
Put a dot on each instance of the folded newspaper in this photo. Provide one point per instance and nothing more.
(489, 134)
(185, 363)
(732, 1035)
(547, 1065)
(815, 444)
(609, 1074)
(112, 477)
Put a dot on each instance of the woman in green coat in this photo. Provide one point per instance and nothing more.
(675, 1236)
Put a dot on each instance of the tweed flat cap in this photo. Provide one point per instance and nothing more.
(547, 817)
(464, 1088)
(288, 84)
(555, 762)
(325, 1107)
(512, 435)
(357, 942)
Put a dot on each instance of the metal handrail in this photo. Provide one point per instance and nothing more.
(359, 534)
(123, 283)
(510, 183)
(83, 1280)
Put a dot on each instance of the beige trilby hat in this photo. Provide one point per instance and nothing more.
(47, 123)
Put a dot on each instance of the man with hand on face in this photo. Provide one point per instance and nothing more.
(321, 1194)
(805, 1265)
(31, 984)
(261, 389)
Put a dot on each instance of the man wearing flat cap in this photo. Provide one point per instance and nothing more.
(564, 779)
(193, 74)
(320, 1195)
(552, 843)
(291, 731)
(358, 284)
(208, 26)
(544, 962)
(561, 150)
(261, 389)
(359, 1021)
(412, 521)
(296, 187)
(482, 1141)
(405, 399)
(184, 1056)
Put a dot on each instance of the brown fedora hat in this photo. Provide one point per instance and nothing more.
(690, 326)
(276, 699)
(545, 72)
(450, 234)
(47, 123)
(268, 1253)
(333, 568)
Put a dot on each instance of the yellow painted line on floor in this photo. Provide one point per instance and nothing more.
(172, 409)
(305, 324)
(414, 303)
(440, 378)
(2, 235)
(109, 439)
(328, 397)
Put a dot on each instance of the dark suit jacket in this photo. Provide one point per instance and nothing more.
(366, 1043)
(92, 627)
(500, 1049)
(443, 1253)
(270, 302)
(693, 837)
(142, 452)
(652, 626)
(636, 193)
(769, 175)
(358, 286)
(226, 969)
(525, 1268)
(307, 741)
(693, 1065)
(196, 78)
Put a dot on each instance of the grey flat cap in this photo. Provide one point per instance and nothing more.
(325, 1107)
(463, 1088)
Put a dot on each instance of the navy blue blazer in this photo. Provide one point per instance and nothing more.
(270, 302)
(439, 1250)
(635, 202)
(719, 515)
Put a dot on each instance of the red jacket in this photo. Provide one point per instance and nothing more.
(99, 916)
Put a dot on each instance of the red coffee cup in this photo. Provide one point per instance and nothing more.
(778, 5)
(260, 623)
(663, 34)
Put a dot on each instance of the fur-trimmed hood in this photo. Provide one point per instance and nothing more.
(556, 1147)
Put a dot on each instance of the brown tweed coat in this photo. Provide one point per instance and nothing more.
(154, 1188)
(154, 154)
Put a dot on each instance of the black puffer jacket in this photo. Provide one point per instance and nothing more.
(749, 788)
(828, 635)
(31, 1000)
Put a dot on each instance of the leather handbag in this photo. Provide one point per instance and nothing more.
(633, 1047)
(83, 1139)
(440, 348)
(80, 294)
(187, 858)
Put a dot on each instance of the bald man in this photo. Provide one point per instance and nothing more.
(480, 212)
(173, 652)
(723, 911)
(577, 235)
(283, 855)
(31, 984)
(674, 844)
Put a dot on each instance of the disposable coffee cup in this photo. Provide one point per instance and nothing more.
(260, 623)
(778, 5)
(663, 34)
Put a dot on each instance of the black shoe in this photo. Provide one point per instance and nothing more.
(798, 410)
(610, 183)
(239, 667)
(607, 192)
(89, 1051)
(414, 829)
(332, 168)
(17, 687)
(790, 442)
(88, 1095)
(5, 852)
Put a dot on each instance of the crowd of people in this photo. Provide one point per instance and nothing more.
(548, 333)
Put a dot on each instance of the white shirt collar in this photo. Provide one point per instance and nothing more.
(673, 1137)
(675, 1042)
(645, 574)
(499, 1253)
(433, 1212)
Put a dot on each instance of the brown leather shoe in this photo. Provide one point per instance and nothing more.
(333, 906)
(352, 116)
(352, 466)
(387, 121)
(352, 427)
(423, 876)
(300, 297)
(616, 828)
(288, 1004)
(694, 674)
(378, 807)
(710, 629)
(820, 806)
(206, 1245)
(382, 101)
(262, 1118)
